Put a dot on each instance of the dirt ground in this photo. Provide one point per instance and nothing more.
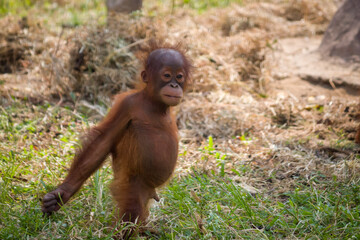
(302, 71)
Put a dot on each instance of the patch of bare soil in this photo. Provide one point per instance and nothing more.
(24, 43)
(297, 59)
(310, 82)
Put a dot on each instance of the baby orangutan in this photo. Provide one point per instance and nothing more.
(140, 134)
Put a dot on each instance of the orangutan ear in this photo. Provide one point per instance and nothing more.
(144, 76)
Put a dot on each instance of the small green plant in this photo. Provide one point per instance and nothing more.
(209, 152)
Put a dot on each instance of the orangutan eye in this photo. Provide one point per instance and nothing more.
(167, 75)
(179, 76)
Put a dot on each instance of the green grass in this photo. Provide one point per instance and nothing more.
(14, 6)
(37, 146)
(18, 6)
(55, 14)
(203, 5)
(7, 6)
(208, 206)
(34, 158)
(75, 13)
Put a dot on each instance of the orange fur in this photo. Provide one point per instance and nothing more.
(141, 135)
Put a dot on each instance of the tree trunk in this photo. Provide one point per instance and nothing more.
(123, 6)
(357, 137)
(342, 38)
